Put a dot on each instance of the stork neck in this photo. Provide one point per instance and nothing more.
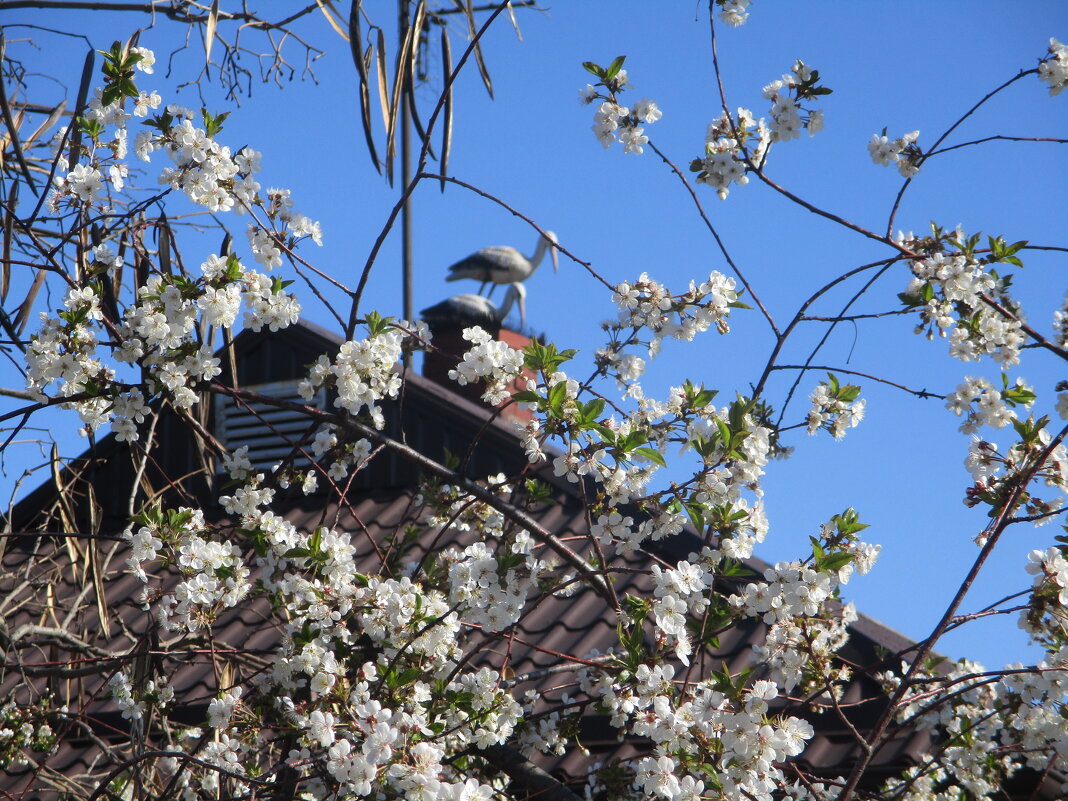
(506, 305)
(539, 253)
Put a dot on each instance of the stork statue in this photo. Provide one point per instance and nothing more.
(468, 309)
(503, 265)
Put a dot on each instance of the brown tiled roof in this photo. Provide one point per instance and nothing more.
(45, 579)
(39, 585)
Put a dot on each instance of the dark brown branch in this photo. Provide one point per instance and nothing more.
(516, 213)
(941, 139)
(919, 393)
(997, 138)
(715, 235)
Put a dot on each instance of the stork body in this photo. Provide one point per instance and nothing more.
(503, 265)
(469, 309)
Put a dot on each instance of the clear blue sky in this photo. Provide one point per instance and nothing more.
(906, 66)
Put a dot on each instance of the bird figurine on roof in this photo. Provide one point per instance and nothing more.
(468, 310)
(503, 265)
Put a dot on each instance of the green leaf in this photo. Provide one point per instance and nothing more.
(607, 434)
(652, 455)
(593, 69)
(724, 432)
(526, 396)
(614, 68)
(277, 284)
(632, 441)
(696, 514)
(213, 124)
(110, 95)
(592, 410)
(557, 395)
(835, 561)
(848, 393)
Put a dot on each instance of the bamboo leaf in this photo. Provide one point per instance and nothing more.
(66, 513)
(400, 78)
(53, 117)
(12, 128)
(469, 9)
(383, 81)
(9, 234)
(79, 107)
(409, 92)
(163, 231)
(209, 32)
(362, 60)
(93, 562)
(326, 7)
(515, 23)
(27, 304)
(416, 29)
(446, 127)
(413, 109)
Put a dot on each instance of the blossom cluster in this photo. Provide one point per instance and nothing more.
(613, 121)
(735, 145)
(981, 404)
(491, 589)
(734, 732)
(1047, 612)
(647, 304)
(994, 473)
(159, 329)
(24, 728)
(786, 110)
(488, 360)
(731, 144)
(1060, 324)
(958, 295)
(1021, 712)
(734, 12)
(157, 332)
(1053, 70)
(214, 575)
(364, 373)
(835, 407)
(903, 152)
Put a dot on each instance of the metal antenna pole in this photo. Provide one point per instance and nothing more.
(406, 176)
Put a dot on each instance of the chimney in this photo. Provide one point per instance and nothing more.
(449, 348)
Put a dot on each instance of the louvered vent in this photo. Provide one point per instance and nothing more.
(269, 432)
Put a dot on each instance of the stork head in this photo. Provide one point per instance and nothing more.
(517, 293)
(550, 237)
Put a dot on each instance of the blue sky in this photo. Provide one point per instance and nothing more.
(906, 66)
